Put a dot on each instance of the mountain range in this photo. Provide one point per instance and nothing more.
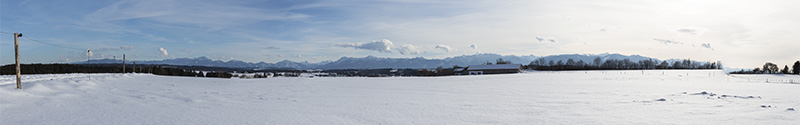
(372, 62)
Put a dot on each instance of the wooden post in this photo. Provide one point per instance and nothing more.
(89, 62)
(16, 54)
(123, 63)
(134, 66)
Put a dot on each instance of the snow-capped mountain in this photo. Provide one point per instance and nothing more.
(465, 60)
(372, 62)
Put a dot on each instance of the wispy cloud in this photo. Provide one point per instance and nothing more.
(547, 39)
(204, 13)
(444, 47)
(667, 41)
(690, 31)
(270, 48)
(473, 46)
(381, 45)
(115, 48)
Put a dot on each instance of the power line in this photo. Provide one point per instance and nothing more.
(34, 40)
(46, 43)
(5, 32)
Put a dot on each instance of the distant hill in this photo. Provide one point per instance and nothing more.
(372, 62)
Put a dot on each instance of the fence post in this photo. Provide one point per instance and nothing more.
(123, 63)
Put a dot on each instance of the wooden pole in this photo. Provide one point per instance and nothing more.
(134, 66)
(16, 54)
(123, 63)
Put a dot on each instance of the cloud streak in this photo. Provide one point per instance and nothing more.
(270, 48)
(690, 31)
(666, 41)
(123, 48)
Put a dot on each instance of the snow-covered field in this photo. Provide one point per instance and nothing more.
(574, 97)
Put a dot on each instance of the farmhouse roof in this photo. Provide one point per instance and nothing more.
(494, 67)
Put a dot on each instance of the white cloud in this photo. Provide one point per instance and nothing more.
(473, 46)
(89, 53)
(408, 49)
(381, 46)
(548, 39)
(163, 52)
(444, 47)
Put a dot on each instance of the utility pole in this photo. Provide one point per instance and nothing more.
(16, 54)
(88, 56)
(89, 62)
(123, 63)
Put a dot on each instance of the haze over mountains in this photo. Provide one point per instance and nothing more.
(372, 62)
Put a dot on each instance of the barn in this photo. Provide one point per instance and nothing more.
(493, 69)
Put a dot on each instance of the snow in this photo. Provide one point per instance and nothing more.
(572, 97)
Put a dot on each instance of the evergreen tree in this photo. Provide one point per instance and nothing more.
(796, 67)
(785, 69)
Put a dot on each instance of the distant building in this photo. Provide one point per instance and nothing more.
(492, 69)
(459, 70)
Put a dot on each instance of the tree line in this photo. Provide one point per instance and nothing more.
(108, 68)
(616, 64)
(772, 68)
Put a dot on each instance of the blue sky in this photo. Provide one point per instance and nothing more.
(740, 33)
